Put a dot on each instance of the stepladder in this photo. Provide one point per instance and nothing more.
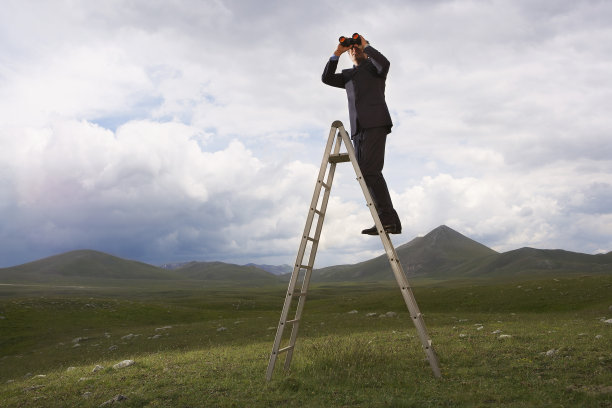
(297, 290)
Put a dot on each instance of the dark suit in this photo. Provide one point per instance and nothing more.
(370, 122)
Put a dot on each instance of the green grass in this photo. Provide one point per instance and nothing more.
(341, 359)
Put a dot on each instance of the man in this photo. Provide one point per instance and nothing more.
(370, 121)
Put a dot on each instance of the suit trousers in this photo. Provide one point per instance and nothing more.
(370, 151)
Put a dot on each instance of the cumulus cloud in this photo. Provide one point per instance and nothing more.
(194, 130)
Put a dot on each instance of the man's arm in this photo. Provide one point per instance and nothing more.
(380, 61)
(329, 76)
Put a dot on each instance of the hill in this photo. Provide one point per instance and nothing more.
(93, 267)
(445, 253)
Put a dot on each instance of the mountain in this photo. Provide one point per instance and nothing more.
(445, 253)
(275, 269)
(77, 266)
(93, 267)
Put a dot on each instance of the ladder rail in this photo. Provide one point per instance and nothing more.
(301, 251)
(313, 251)
(396, 266)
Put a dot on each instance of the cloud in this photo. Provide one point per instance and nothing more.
(194, 130)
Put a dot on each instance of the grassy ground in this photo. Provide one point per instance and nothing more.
(511, 344)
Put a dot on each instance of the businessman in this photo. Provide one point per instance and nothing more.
(370, 121)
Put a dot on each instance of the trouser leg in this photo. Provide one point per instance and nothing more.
(370, 151)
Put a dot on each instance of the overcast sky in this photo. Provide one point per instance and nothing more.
(193, 130)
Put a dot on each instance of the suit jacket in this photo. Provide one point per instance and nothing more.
(365, 89)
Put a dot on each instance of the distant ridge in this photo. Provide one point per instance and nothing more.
(445, 253)
(93, 267)
(441, 254)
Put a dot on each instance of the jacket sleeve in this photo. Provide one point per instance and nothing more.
(330, 77)
(380, 61)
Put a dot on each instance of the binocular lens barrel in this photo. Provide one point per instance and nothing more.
(347, 42)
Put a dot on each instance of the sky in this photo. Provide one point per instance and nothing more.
(166, 131)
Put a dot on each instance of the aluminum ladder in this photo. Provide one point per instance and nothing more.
(309, 244)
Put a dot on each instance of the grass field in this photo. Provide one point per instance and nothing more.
(530, 343)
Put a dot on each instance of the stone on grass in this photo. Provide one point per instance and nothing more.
(97, 368)
(599, 336)
(390, 314)
(220, 329)
(353, 312)
(371, 314)
(113, 348)
(127, 337)
(609, 321)
(163, 328)
(551, 352)
(116, 398)
(504, 336)
(496, 331)
(124, 363)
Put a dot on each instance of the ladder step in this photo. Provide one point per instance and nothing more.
(311, 239)
(325, 185)
(284, 349)
(305, 267)
(339, 158)
(298, 293)
(318, 212)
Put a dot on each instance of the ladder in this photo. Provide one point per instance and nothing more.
(309, 244)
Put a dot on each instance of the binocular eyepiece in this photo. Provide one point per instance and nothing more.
(348, 41)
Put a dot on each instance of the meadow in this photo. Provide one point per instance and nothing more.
(511, 343)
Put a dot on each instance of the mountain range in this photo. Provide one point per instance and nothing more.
(441, 254)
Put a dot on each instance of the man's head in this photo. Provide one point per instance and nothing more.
(357, 55)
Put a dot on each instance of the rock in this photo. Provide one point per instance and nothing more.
(40, 376)
(86, 394)
(504, 336)
(462, 335)
(391, 314)
(220, 329)
(599, 336)
(496, 331)
(371, 314)
(353, 312)
(609, 321)
(128, 337)
(157, 336)
(97, 368)
(71, 368)
(116, 398)
(79, 339)
(163, 328)
(123, 364)
(551, 352)
(113, 348)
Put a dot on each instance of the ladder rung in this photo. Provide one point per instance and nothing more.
(318, 212)
(284, 349)
(305, 267)
(311, 239)
(296, 293)
(325, 185)
(339, 158)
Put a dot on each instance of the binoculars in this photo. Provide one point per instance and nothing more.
(348, 41)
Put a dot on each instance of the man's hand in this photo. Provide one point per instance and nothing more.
(341, 50)
(363, 44)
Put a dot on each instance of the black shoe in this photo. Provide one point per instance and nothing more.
(389, 229)
(370, 231)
